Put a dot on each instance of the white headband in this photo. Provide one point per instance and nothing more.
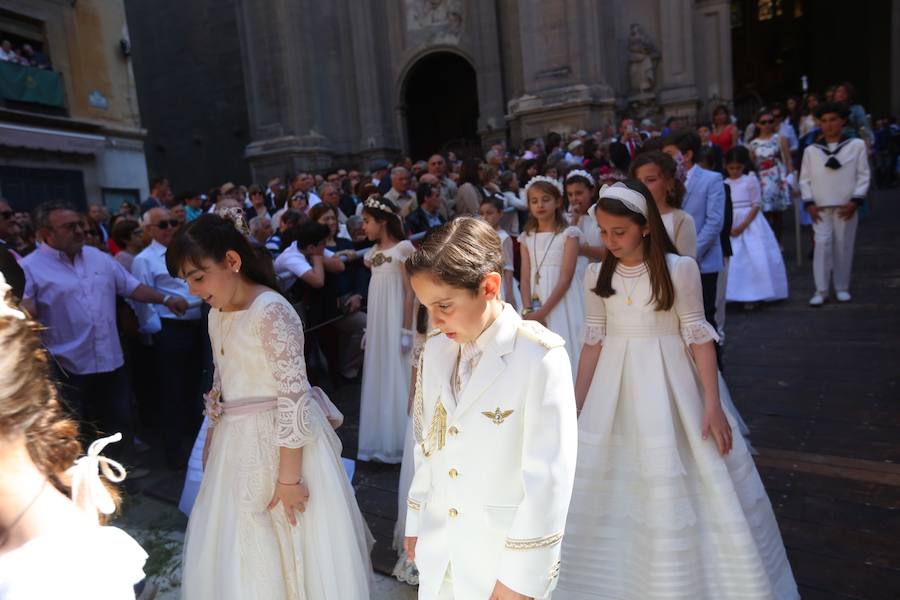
(580, 173)
(545, 179)
(632, 200)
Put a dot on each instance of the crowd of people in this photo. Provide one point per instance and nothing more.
(125, 299)
(23, 55)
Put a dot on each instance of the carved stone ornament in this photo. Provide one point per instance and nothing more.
(643, 57)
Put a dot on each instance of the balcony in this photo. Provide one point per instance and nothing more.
(32, 89)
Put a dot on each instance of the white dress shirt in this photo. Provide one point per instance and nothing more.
(149, 267)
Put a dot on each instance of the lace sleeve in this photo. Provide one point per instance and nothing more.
(281, 333)
(594, 309)
(689, 303)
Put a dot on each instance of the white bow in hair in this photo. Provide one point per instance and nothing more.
(5, 309)
(88, 491)
(632, 200)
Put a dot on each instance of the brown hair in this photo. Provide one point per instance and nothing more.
(317, 211)
(459, 253)
(29, 405)
(656, 244)
(548, 188)
(667, 167)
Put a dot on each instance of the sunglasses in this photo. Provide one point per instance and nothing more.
(766, 121)
(165, 224)
(7, 214)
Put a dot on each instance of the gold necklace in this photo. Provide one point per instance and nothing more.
(222, 337)
(637, 279)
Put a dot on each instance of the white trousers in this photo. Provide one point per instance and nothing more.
(833, 254)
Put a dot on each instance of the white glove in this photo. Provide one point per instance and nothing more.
(406, 340)
(362, 342)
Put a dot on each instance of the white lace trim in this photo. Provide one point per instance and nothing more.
(573, 231)
(281, 332)
(699, 333)
(592, 335)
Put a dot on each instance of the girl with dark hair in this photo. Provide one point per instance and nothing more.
(468, 196)
(659, 172)
(724, 133)
(52, 544)
(580, 187)
(772, 156)
(662, 483)
(275, 516)
(549, 252)
(756, 271)
(389, 336)
(808, 120)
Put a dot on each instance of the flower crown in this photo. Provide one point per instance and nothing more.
(235, 216)
(375, 202)
(545, 179)
(580, 173)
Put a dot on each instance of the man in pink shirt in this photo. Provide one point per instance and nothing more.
(71, 289)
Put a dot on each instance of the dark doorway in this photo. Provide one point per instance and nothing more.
(441, 98)
(777, 42)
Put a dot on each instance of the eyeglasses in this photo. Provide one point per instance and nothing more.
(7, 214)
(166, 223)
(766, 121)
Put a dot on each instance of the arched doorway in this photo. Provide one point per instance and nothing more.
(441, 105)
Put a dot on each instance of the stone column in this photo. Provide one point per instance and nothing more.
(678, 93)
(715, 80)
(278, 53)
(565, 76)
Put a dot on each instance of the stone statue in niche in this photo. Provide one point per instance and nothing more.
(426, 14)
(642, 60)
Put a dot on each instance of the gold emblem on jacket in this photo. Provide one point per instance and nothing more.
(498, 416)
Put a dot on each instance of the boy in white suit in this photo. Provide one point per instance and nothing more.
(495, 425)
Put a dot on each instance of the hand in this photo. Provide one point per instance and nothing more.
(714, 423)
(536, 315)
(409, 545)
(501, 592)
(737, 231)
(177, 305)
(813, 212)
(354, 303)
(846, 211)
(292, 497)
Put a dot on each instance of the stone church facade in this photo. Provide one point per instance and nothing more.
(327, 82)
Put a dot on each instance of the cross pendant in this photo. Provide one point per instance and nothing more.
(537, 277)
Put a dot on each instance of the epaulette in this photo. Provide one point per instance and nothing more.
(433, 332)
(540, 334)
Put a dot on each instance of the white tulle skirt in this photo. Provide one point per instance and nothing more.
(756, 272)
(236, 549)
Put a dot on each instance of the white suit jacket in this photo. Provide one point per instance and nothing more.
(494, 476)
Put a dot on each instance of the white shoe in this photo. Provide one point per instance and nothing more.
(843, 296)
(818, 299)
